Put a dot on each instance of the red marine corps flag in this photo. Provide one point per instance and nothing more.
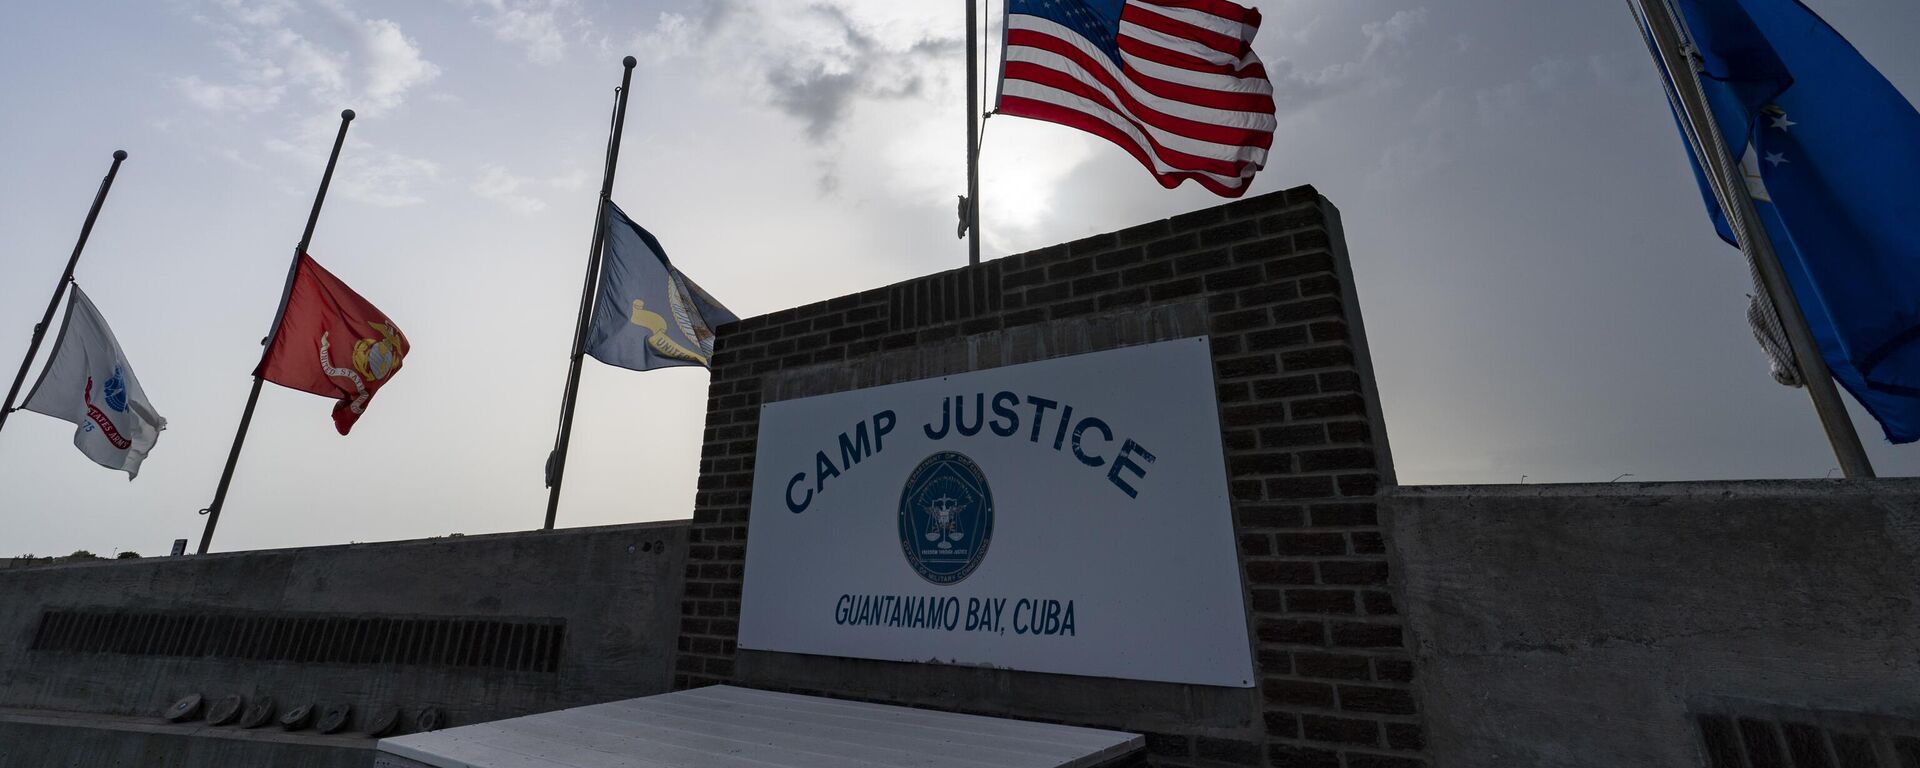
(332, 343)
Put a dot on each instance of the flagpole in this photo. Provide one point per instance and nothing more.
(1670, 49)
(557, 461)
(60, 288)
(973, 135)
(253, 397)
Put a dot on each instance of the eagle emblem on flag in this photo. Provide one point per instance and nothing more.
(310, 352)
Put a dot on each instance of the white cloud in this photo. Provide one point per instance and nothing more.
(815, 62)
(1300, 34)
(263, 13)
(1392, 33)
(393, 63)
(1307, 65)
(1021, 174)
(322, 71)
(1523, 100)
(671, 37)
(534, 25)
(250, 99)
(1621, 70)
(368, 64)
(876, 86)
(301, 68)
(1454, 120)
(368, 173)
(496, 184)
(386, 179)
(232, 155)
(1405, 165)
(571, 181)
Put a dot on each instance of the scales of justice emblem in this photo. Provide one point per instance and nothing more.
(942, 528)
(946, 517)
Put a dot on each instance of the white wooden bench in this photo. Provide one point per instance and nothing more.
(728, 727)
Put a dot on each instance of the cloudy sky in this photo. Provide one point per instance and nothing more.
(1543, 293)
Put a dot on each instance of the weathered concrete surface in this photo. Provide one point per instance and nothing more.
(45, 740)
(616, 587)
(1576, 625)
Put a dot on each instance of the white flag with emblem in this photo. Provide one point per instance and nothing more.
(88, 382)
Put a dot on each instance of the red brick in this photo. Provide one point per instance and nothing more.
(1332, 666)
(1375, 700)
(1337, 601)
(1295, 693)
(1340, 730)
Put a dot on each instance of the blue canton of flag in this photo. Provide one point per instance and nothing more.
(1098, 21)
(1175, 83)
(1832, 157)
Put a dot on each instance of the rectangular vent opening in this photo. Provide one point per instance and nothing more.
(1772, 737)
(529, 645)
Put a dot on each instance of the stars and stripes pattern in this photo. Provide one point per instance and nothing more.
(1173, 82)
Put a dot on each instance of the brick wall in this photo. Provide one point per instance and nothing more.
(1267, 278)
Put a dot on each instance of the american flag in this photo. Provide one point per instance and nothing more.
(1175, 82)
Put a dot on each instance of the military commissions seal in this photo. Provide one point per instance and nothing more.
(946, 518)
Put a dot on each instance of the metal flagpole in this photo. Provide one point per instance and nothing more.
(1673, 52)
(557, 461)
(973, 134)
(253, 397)
(60, 288)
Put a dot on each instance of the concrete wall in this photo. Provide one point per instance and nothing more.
(1267, 278)
(107, 742)
(1584, 625)
(616, 589)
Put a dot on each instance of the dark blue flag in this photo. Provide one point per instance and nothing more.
(647, 314)
(1831, 152)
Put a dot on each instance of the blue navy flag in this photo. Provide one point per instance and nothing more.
(647, 314)
(1831, 152)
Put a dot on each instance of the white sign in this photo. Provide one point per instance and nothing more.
(1067, 516)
